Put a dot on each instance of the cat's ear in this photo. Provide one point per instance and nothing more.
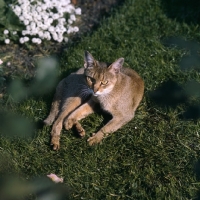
(89, 61)
(116, 66)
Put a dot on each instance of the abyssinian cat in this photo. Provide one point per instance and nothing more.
(112, 87)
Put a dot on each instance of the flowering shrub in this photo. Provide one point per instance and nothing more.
(43, 20)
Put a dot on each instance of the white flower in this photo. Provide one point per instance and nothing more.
(26, 39)
(51, 29)
(39, 24)
(55, 36)
(70, 21)
(39, 41)
(20, 1)
(33, 25)
(35, 13)
(47, 35)
(38, 17)
(60, 39)
(29, 17)
(24, 32)
(75, 29)
(39, 8)
(41, 34)
(66, 39)
(66, 2)
(21, 18)
(69, 8)
(6, 32)
(44, 16)
(61, 20)
(26, 22)
(26, 15)
(21, 40)
(44, 27)
(1, 62)
(34, 31)
(78, 11)
(72, 17)
(44, 6)
(36, 40)
(69, 30)
(50, 20)
(55, 16)
(7, 41)
(28, 27)
(17, 9)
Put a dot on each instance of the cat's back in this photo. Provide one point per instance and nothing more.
(135, 80)
(74, 85)
(132, 89)
(131, 73)
(75, 77)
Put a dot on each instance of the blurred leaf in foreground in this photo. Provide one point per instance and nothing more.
(15, 126)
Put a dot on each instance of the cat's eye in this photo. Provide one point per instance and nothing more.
(104, 82)
(89, 79)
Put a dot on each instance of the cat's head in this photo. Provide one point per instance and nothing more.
(101, 77)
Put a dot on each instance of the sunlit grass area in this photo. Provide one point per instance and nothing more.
(156, 155)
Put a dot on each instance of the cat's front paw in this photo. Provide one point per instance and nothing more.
(80, 129)
(68, 124)
(95, 139)
(48, 122)
(55, 142)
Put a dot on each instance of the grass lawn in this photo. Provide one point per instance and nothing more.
(156, 155)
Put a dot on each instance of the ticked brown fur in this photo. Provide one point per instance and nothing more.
(116, 89)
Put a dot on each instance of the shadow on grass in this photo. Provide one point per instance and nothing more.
(170, 93)
(183, 10)
(197, 171)
(189, 61)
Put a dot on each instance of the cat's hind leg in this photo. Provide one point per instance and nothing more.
(80, 130)
(69, 106)
(53, 112)
(55, 106)
(80, 113)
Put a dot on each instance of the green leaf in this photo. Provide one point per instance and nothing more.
(2, 4)
(2, 12)
(12, 21)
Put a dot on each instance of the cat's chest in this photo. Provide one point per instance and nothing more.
(107, 103)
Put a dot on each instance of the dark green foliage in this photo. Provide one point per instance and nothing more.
(156, 155)
(8, 20)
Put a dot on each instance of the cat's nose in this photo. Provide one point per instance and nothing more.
(95, 89)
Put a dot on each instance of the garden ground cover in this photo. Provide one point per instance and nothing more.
(156, 155)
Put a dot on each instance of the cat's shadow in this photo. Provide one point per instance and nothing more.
(197, 172)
